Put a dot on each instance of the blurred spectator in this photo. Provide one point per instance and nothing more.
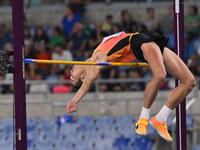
(62, 55)
(87, 54)
(99, 32)
(189, 48)
(192, 62)
(78, 41)
(79, 6)
(146, 72)
(169, 18)
(127, 22)
(142, 27)
(102, 86)
(8, 46)
(29, 52)
(69, 20)
(27, 36)
(110, 73)
(40, 87)
(9, 77)
(151, 23)
(61, 89)
(192, 21)
(122, 86)
(108, 24)
(170, 34)
(31, 70)
(4, 37)
(196, 71)
(40, 37)
(67, 73)
(135, 86)
(197, 44)
(57, 37)
(32, 49)
(134, 27)
(166, 85)
(92, 42)
(45, 55)
(116, 28)
(53, 73)
(4, 88)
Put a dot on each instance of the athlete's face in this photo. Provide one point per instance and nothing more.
(76, 74)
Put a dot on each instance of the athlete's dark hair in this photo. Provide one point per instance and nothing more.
(78, 84)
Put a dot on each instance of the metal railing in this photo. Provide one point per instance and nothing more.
(97, 95)
(29, 3)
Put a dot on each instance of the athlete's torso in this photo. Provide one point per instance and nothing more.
(117, 47)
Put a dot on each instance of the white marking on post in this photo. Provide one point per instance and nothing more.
(177, 6)
(19, 135)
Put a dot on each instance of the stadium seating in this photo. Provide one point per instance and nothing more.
(84, 133)
(124, 120)
(142, 143)
(121, 143)
(85, 120)
(105, 120)
(6, 145)
(196, 147)
(31, 124)
(65, 119)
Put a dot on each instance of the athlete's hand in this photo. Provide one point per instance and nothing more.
(71, 107)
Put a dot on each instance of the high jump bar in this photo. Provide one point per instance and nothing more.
(27, 61)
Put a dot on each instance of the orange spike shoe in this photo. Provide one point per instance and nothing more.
(161, 128)
(141, 126)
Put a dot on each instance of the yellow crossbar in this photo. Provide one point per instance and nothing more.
(83, 63)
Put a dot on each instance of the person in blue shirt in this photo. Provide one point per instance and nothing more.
(189, 48)
(4, 37)
(69, 20)
(77, 41)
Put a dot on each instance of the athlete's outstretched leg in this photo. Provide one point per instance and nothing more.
(153, 55)
(180, 71)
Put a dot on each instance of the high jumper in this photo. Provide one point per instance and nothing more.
(147, 47)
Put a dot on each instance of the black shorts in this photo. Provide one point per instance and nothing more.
(146, 37)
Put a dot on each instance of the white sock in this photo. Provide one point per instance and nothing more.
(163, 114)
(145, 113)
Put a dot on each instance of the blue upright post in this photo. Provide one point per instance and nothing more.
(180, 50)
(19, 74)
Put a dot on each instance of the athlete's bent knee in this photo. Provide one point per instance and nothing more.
(191, 83)
(160, 77)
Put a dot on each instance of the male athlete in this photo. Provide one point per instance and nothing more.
(146, 47)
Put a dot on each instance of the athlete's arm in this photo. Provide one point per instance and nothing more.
(90, 77)
(92, 73)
